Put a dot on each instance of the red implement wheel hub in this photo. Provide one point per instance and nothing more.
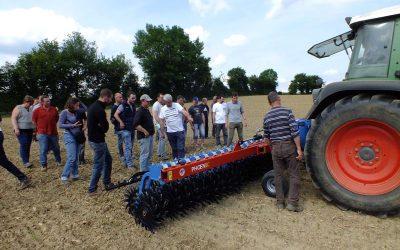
(363, 156)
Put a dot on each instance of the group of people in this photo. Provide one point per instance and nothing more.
(37, 119)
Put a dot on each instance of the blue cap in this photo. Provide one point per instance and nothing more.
(196, 99)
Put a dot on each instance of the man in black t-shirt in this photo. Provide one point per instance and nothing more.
(197, 114)
(98, 126)
(144, 125)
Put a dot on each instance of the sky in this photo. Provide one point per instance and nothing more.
(253, 34)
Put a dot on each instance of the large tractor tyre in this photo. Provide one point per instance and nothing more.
(353, 153)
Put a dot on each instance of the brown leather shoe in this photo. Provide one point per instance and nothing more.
(280, 205)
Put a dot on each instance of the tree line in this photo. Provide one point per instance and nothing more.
(169, 59)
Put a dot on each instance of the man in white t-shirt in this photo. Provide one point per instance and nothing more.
(161, 140)
(219, 120)
(171, 117)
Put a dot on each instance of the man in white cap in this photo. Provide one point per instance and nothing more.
(144, 125)
(170, 116)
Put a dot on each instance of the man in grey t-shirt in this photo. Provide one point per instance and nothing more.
(235, 116)
(161, 151)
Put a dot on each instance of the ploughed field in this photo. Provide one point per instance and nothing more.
(50, 215)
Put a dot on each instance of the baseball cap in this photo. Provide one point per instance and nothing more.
(196, 99)
(145, 97)
(167, 98)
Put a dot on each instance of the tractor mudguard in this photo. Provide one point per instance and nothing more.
(333, 92)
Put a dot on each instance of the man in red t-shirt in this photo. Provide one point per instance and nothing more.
(45, 118)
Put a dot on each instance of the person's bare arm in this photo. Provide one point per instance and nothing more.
(244, 119)
(14, 122)
(298, 146)
(156, 116)
(213, 117)
(143, 130)
(162, 128)
(118, 118)
(84, 125)
(187, 115)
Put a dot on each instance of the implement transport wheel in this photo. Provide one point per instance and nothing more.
(268, 184)
(353, 153)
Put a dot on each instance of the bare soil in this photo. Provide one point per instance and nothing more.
(50, 215)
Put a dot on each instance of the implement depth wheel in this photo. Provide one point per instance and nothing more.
(353, 153)
(268, 184)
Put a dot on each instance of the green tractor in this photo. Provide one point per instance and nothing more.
(353, 146)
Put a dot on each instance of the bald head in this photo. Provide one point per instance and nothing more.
(118, 98)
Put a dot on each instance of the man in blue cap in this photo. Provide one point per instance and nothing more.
(196, 111)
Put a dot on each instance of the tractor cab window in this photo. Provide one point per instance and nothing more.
(372, 50)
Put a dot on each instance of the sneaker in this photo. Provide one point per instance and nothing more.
(43, 168)
(280, 205)
(76, 178)
(58, 164)
(25, 184)
(28, 165)
(294, 208)
(110, 186)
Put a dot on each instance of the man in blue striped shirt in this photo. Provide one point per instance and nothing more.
(282, 132)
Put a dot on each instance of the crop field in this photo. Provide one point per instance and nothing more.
(51, 215)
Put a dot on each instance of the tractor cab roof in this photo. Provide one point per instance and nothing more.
(389, 12)
(345, 41)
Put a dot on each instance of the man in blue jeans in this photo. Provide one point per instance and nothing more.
(45, 118)
(171, 116)
(145, 130)
(97, 125)
(125, 115)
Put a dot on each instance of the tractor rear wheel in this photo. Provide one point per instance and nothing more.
(353, 153)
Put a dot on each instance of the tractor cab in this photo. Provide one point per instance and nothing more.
(372, 44)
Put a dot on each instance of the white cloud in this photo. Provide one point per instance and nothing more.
(34, 24)
(204, 7)
(331, 72)
(279, 6)
(276, 7)
(218, 60)
(197, 31)
(235, 40)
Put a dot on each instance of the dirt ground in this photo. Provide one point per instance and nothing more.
(49, 215)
